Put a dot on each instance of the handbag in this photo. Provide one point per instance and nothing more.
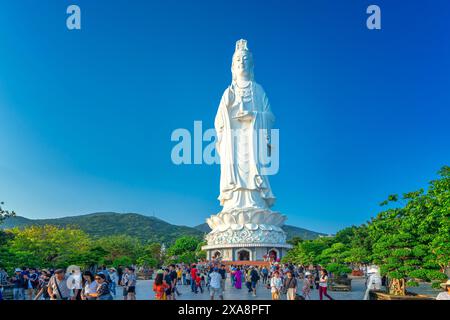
(59, 291)
(276, 295)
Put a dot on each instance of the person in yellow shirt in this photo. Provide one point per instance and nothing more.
(179, 274)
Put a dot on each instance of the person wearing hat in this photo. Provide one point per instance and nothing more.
(19, 285)
(113, 277)
(446, 294)
(307, 285)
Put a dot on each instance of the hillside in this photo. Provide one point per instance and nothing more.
(144, 228)
(291, 232)
(109, 223)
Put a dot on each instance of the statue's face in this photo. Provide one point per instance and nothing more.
(242, 65)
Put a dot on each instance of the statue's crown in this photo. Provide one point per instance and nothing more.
(241, 45)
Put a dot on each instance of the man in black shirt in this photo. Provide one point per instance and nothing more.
(174, 277)
(254, 277)
(223, 273)
(19, 285)
(119, 274)
(168, 279)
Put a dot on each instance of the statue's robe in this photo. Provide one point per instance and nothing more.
(242, 182)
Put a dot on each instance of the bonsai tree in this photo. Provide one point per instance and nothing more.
(338, 268)
(411, 241)
(333, 258)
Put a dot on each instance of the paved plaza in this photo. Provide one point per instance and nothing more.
(144, 292)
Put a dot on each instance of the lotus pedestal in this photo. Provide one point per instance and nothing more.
(246, 235)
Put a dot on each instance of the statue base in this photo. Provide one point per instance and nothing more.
(246, 252)
(248, 234)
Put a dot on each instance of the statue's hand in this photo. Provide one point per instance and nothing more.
(244, 116)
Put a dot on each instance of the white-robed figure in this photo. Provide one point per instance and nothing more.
(373, 281)
(243, 123)
(243, 126)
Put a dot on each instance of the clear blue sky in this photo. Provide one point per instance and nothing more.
(86, 116)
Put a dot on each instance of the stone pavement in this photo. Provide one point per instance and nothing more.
(144, 292)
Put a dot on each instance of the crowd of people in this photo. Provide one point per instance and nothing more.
(61, 284)
(281, 279)
(285, 281)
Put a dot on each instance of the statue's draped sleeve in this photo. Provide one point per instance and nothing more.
(267, 116)
(224, 147)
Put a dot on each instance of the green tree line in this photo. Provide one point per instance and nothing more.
(409, 239)
(55, 247)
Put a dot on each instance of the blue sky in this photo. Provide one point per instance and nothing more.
(86, 116)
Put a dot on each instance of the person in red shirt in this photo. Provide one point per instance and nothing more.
(160, 286)
(198, 282)
(193, 278)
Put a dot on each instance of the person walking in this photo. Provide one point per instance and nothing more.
(248, 281)
(290, 285)
(183, 275)
(160, 286)
(131, 283)
(307, 285)
(119, 275)
(89, 285)
(57, 286)
(233, 275)
(124, 283)
(215, 288)
(42, 287)
(19, 285)
(113, 280)
(323, 285)
(265, 274)
(198, 282)
(223, 273)
(193, 276)
(32, 279)
(238, 278)
(179, 274)
(254, 278)
(276, 285)
(102, 291)
(175, 281)
(445, 295)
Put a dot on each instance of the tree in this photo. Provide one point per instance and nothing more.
(151, 255)
(411, 241)
(48, 246)
(118, 246)
(307, 252)
(5, 213)
(184, 249)
(295, 240)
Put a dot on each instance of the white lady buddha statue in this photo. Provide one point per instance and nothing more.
(243, 123)
(244, 112)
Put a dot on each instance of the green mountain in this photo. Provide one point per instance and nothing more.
(144, 228)
(110, 223)
(291, 232)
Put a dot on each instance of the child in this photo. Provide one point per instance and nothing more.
(307, 285)
(198, 282)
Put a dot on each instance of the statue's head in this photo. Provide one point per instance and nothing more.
(242, 65)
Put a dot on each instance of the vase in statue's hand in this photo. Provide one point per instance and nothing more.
(244, 115)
